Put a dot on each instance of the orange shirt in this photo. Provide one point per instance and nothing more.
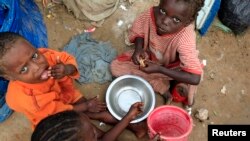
(38, 101)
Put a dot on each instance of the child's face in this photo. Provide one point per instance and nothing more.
(171, 16)
(23, 62)
(89, 130)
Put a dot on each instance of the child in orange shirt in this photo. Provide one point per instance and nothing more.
(41, 81)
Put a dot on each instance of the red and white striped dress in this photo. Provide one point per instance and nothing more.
(171, 50)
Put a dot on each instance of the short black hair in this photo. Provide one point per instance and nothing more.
(63, 126)
(6, 41)
(195, 6)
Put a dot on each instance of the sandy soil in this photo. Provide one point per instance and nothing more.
(227, 69)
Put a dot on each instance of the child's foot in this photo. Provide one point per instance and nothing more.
(140, 129)
(188, 109)
(168, 97)
(182, 89)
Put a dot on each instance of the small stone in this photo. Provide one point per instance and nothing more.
(212, 75)
(120, 22)
(202, 114)
(223, 90)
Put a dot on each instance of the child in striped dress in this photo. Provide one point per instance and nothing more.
(164, 38)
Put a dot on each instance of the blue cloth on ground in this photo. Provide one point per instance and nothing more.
(93, 58)
(23, 17)
(5, 111)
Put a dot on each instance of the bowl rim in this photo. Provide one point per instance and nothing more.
(136, 77)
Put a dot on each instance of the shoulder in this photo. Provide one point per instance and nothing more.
(187, 35)
(13, 88)
(15, 96)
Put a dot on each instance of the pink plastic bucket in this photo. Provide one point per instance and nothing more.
(171, 122)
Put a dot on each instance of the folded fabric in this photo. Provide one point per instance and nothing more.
(93, 58)
(93, 10)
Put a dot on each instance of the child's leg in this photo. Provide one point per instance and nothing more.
(168, 97)
(81, 100)
(187, 90)
(102, 116)
(140, 129)
(191, 92)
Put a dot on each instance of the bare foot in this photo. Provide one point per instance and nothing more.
(168, 97)
(140, 129)
(182, 89)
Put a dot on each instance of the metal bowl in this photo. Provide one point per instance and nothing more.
(124, 91)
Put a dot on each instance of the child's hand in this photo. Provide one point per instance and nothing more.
(60, 70)
(57, 71)
(138, 55)
(94, 105)
(135, 110)
(151, 67)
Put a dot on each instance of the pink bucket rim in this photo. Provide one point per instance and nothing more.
(176, 108)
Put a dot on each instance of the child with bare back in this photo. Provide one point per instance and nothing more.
(41, 82)
(165, 50)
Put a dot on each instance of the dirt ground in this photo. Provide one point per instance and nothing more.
(224, 91)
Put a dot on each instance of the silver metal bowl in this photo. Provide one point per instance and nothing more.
(124, 91)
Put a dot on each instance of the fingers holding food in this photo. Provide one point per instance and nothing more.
(142, 62)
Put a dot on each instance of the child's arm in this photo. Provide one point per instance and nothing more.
(114, 132)
(180, 76)
(139, 52)
(92, 105)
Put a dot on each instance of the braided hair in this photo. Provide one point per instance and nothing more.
(63, 126)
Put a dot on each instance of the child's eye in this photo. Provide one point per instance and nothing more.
(35, 56)
(24, 70)
(162, 12)
(176, 20)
